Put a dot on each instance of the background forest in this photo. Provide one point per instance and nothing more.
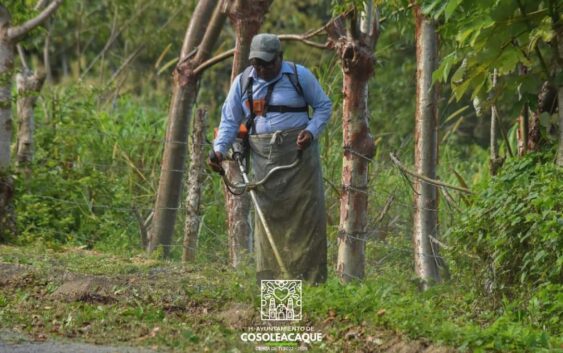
(84, 200)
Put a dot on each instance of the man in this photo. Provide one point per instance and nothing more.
(277, 93)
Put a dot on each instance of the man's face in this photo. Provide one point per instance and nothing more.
(267, 70)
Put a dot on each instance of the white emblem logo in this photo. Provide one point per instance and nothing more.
(280, 300)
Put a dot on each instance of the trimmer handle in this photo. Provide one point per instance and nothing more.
(213, 158)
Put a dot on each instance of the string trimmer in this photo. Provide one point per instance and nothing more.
(239, 153)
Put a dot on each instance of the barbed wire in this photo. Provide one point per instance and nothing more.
(367, 192)
(55, 129)
(95, 205)
(367, 237)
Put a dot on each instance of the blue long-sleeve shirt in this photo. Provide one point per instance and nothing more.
(235, 109)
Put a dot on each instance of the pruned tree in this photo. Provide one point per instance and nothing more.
(28, 86)
(425, 227)
(246, 17)
(193, 185)
(355, 46)
(9, 37)
(201, 36)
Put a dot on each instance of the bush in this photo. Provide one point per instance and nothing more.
(514, 227)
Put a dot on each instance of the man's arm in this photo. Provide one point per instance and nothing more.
(232, 116)
(317, 99)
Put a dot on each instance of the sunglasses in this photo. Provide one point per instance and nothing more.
(263, 64)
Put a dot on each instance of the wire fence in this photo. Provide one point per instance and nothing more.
(220, 239)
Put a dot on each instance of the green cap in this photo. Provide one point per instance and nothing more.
(265, 46)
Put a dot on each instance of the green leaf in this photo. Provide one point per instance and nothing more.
(450, 7)
(456, 113)
(503, 10)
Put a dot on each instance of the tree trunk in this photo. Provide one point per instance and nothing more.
(46, 56)
(28, 85)
(560, 94)
(523, 129)
(357, 61)
(246, 18)
(41, 4)
(183, 97)
(7, 217)
(6, 67)
(9, 37)
(194, 185)
(495, 161)
(560, 152)
(426, 151)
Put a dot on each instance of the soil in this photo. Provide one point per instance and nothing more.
(237, 316)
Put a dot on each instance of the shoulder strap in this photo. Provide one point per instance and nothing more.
(294, 79)
(245, 85)
(245, 81)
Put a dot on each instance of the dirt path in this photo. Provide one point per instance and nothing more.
(55, 347)
(12, 342)
(52, 299)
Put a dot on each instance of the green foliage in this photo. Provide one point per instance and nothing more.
(515, 225)
(98, 150)
(90, 170)
(501, 35)
(188, 303)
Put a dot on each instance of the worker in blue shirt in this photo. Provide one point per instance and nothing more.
(276, 95)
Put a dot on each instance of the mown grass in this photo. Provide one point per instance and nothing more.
(181, 308)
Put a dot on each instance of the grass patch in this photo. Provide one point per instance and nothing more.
(180, 308)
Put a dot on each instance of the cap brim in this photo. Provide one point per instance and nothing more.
(262, 55)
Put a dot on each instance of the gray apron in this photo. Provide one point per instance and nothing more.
(293, 204)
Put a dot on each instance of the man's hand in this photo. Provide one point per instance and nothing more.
(304, 139)
(214, 161)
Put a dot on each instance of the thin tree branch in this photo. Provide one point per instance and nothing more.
(214, 60)
(383, 19)
(127, 62)
(426, 179)
(22, 57)
(136, 52)
(449, 199)
(502, 132)
(225, 55)
(537, 49)
(142, 227)
(285, 37)
(302, 38)
(331, 184)
(385, 209)
(114, 35)
(16, 33)
(41, 5)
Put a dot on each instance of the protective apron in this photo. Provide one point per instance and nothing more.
(293, 204)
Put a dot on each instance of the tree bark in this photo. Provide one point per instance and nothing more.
(9, 36)
(206, 31)
(560, 94)
(46, 56)
(41, 4)
(523, 129)
(194, 185)
(426, 151)
(560, 151)
(28, 86)
(357, 62)
(246, 17)
(495, 161)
